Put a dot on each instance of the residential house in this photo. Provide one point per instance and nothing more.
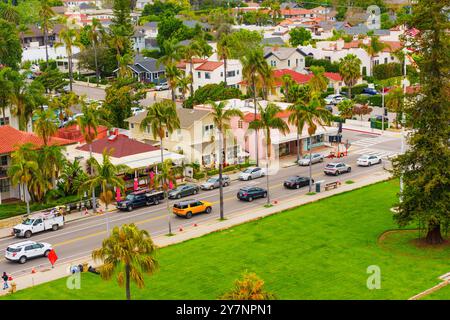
(196, 138)
(140, 4)
(273, 41)
(138, 40)
(285, 58)
(35, 36)
(147, 69)
(10, 140)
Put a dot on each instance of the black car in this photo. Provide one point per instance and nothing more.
(251, 193)
(139, 199)
(184, 191)
(297, 182)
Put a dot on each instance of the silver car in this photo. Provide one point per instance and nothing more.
(337, 168)
(251, 173)
(315, 158)
(213, 183)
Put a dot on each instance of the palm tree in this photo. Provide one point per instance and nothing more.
(88, 124)
(224, 53)
(6, 91)
(296, 118)
(95, 34)
(183, 84)
(130, 253)
(221, 119)
(266, 80)
(164, 178)
(46, 14)
(394, 103)
(267, 121)
(64, 103)
(51, 160)
(189, 52)
(318, 81)
(314, 114)
(275, 10)
(69, 38)
(373, 48)
(161, 117)
(22, 169)
(287, 82)
(72, 176)
(172, 52)
(10, 14)
(253, 66)
(350, 70)
(105, 176)
(45, 124)
(172, 75)
(345, 108)
(23, 29)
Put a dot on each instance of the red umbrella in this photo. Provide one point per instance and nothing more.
(135, 185)
(118, 196)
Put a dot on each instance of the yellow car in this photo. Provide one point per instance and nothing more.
(187, 208)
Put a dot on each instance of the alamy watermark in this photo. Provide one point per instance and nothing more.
(374, 280)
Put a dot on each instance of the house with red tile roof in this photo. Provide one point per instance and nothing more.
(74, 134)
(10, 140)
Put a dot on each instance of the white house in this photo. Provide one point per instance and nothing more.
(285, 58)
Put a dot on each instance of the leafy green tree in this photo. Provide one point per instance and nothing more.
(46, 17)
(170, 27)
(51, 161)
(72, 177)
(10, 47)
(424, 167)
(252, 40)
(129, 253)
(9, 13)
(212, 92)
(350, 70)
(345, 108)
(45, 124)
(395, 102)
(318, 81)
(52, 80)
(373, 48)
(268, 121)
(299, 36)
(64, 103)
(164, 178)
(6, 91)
(69, 38)
(161, 117)
(221, 119)
(250, 287)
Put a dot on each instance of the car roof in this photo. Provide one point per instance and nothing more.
(188, 201)
(335, 163)
(21, 244)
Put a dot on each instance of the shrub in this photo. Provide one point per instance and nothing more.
(229, 168)
(387, 70)
(212, 92)
(358, 89)
(212, 172)
(327, 64)
(199, 175)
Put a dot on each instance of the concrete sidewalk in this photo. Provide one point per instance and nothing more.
(202, 228)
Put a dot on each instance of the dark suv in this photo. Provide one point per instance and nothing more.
(139, 199)
(296, 182)
(251, 193)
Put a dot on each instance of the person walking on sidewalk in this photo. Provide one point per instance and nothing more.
(5, 281)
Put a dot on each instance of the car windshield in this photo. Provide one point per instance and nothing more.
(248, 171)
(129, 197)
(9, 249)
(212, 180)
(292, 178)
(306, 156)
(28, 222)
(364, 157)
(180, 206)
(330, 165)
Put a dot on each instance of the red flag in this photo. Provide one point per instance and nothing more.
(52, 257)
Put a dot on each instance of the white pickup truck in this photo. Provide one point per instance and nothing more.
(39, 222)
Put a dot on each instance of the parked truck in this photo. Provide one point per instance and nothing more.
(47, 220)
(140, 198)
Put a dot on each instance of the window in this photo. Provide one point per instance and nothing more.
(199, 74)
(167, 134)
(237, 71)
(3, 160)
(208, 128)
(385, 60)
(231, 73)
(221, 74)
(207, 75)
(240, 122)
(296, 62)
(6, 121)
(289, 63)
(273, 63)
(5, 185)
(132, 125)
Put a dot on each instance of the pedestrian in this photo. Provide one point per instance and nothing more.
(154, 96)
(5, 281)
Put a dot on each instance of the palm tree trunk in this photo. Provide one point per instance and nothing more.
(298, 144)
(127, 282)
(310, 163)
(225, 70)
(256, 131)
(173, 94)
(94, 206)
(220, 175)
(349, 92)
(26, 197)
(97, 73)
(70, 73)
(46, 43)
(267, 166)
(191, 73)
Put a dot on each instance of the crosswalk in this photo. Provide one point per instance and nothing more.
(367, 142)
(383, 154)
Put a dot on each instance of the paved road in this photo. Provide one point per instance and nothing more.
(78, 238)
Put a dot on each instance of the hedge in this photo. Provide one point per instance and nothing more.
(378, 124)
(212, 172)
(358, 89)
(387, 70)
(212, 92)
(199, 175)
(327, 64)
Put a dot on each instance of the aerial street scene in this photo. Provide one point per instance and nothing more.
(209, 152)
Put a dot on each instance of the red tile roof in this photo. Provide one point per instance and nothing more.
(333, 76)
(250, 116)
(73, 133)
(209, 66)
(299, 78)
(183, 63)
(392, 46)
(11, 139)
(122, 145)
(295, 12)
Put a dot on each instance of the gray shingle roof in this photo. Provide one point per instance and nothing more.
(272, 41)
(281, 53)
(148, 64)
(187, 116)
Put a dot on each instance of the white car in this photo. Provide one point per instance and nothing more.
(338, 99)
(162, 86)
(329, 99)
(368, 160)
(22, 251)
(251, 173)
(136, 110)
(316, 157)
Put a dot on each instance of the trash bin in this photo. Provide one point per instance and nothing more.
(317, 186)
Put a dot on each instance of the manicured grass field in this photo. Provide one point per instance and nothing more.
(441, 294)
(317, 251)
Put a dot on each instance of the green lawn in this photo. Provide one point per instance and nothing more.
(317, 251)
(441, 294)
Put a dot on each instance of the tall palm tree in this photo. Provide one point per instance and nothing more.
(221, 119)
(287, 82)
(6, 91)
(69, 39)
(46, 15)
(161, 117)
(10, 14)
(164, 178)
(224, 53)
(318, 81)
(267, 121)
(105, 176)
(130, 253)
(23, 29)
(266, 80)
(350, 70)
(22, 169)
(345, 108)
(64, 103)
(72, 176)
(172, 52)
(296, 118)
(253, 66)
(172, 75)
(51, 160)
(183, 84)
(95, 34)
(189, 52)
(88, 124)
(373, 48)
(45, 124)
(313, 115)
